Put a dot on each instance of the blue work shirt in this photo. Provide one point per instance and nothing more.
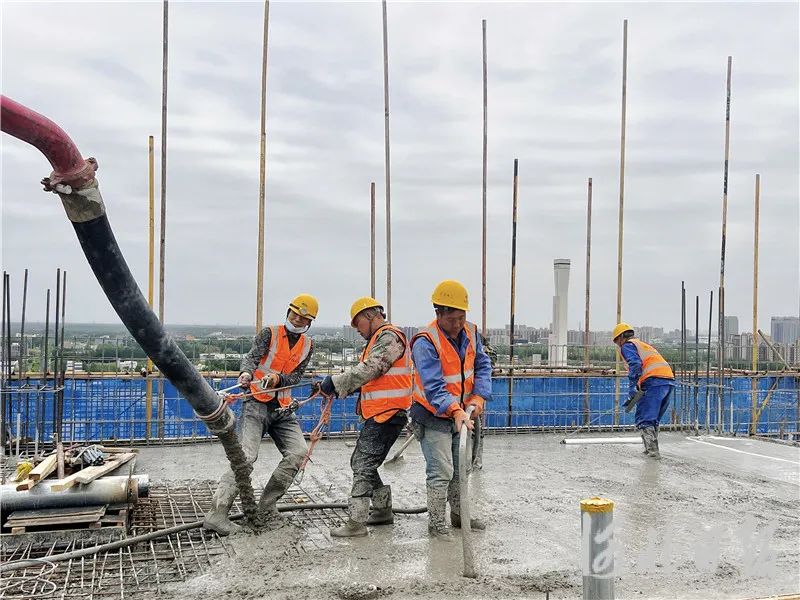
(631, 356)
(427, 364)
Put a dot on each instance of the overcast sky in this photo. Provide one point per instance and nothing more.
(555, 75)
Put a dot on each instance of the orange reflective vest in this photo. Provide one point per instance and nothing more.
(459, 376)
(653, 364)
(279, 359)
(383, 397)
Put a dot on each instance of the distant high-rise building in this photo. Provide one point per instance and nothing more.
(731, 326)
(784, 330)
(557, 346)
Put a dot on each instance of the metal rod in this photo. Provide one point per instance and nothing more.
(372, 238)
(262, 173)
(621, 198)
(3, 409)
(162, 243)
(483, 185)
(55, 351)
(696, 358)
(45, 362)
(683, 351)
(708, 361)
(61, 363)
(586, 405)
(754, 383)
(721, 301)
(19, 433)
(23, 349)
(387, 166)
(148, 407)
(515, 197)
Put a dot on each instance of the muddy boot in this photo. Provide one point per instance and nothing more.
(651, 442)
(217, 518)
(355, 527)
(437, 528)
(454, 498)
(269, 517)
(381, 513)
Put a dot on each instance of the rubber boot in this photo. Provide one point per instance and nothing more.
(437, 504)
(651, 442)
(217, 518)
(381, 513)
(355, 526)
(454, 497)
(269, 516)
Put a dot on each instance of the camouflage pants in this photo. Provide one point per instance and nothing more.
(374, 443)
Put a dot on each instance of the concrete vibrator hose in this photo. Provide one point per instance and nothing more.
(464, 464)
(73, 179)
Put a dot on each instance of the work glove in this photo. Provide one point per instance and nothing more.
(244, 379)
(270, 380)
(478, 403)
(325, 386)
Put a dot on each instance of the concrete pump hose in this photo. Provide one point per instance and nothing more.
(153, 535)
(464, 463)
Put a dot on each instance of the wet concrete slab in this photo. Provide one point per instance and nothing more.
(715, 518)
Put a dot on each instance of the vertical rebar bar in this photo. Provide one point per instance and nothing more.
(708, 361)
(162, 244)
(372, 239)
(754, 363)
(148, 405)
(683, 353)
(483, 185)
(586, 330)
(721, 301)
(3, 391)
(387, 165)
(696, 359)
(45, 361)
(621, 200)
(23, 349)
(515, 197)
(55, 351)
(62, 364)
(262, 173)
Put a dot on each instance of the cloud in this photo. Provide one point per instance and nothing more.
(554, 103)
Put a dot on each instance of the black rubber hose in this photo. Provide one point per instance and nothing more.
(146, 537)
(105, 257)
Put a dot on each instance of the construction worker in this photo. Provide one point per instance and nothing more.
(384, 378)
(451, 372)
(277, 359)
(651, 382)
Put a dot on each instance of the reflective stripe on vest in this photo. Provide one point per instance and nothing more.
(280, 359)
(458, 375)
(653, 364)
(384, 396)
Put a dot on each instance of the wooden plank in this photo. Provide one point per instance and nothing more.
(44, 468)
(113, 450)
(45, 513)
(25, 484)
(66, 483)
(92, 473)
(58, 520)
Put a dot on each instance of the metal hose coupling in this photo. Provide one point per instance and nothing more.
(222, 420)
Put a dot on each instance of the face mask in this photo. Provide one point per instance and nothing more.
(294, 329)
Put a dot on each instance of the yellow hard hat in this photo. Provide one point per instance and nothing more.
(363, 303)
(304, 305)
(620, 329)
(451, 293)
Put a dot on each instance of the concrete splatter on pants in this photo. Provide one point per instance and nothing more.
(259, 418)
(374, 443)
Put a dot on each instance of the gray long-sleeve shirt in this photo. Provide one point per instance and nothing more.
(387, 349)
(260, 348)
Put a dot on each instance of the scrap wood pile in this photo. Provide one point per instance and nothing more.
(57, 489)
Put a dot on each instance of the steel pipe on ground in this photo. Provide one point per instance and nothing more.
(106, 490)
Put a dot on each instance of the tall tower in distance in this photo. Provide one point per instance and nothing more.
(557, 350)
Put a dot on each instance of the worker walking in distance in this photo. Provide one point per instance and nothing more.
(278, 358)
(451, 372)
(384, 378)
(651, 383)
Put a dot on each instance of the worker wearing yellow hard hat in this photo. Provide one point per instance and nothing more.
(277, 359)
(451, 373)
(383, 379)
(651, 381)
